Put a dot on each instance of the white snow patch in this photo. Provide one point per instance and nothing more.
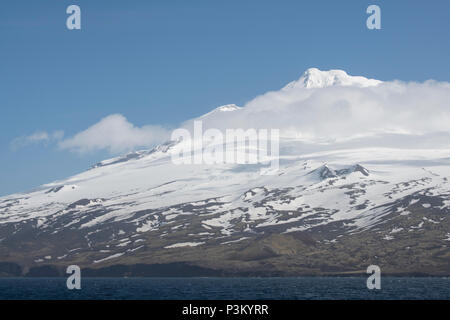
(184, 244)
(110, 257)
(234, 241)
(395, 230)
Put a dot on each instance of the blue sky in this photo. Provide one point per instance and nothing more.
(163, 62)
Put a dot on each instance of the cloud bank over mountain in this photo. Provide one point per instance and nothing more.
(319, 107)
(333, 106)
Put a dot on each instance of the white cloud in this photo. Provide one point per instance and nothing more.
(36, 138)
(115, 134)
(343, 113)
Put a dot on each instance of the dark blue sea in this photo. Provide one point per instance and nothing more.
(303, 288)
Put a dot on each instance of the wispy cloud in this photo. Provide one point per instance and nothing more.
(39, 137)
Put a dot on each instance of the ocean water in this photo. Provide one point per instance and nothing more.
(302, 288)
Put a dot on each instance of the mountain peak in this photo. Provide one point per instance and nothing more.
(325, 172)
(224, 108)
(227, 107)
(315, 78)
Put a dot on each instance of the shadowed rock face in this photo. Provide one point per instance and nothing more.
(325, 172)
(8, 269)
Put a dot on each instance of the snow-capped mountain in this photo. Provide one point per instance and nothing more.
(221, 109)
(315, 78)
(328, 209)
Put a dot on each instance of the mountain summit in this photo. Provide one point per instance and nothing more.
(315, 78)
(221, 109)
